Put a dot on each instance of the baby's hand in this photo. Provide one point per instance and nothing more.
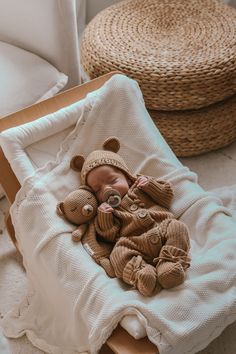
(106, 208)
(141, 182)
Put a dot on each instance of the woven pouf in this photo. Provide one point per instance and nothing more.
(181, 52)
(193, 132)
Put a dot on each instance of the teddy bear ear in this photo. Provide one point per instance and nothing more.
(77, 162)
(60, 209)
(111, 144)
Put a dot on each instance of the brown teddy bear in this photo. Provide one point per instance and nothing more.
(80, 208)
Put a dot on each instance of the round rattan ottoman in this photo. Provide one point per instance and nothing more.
(193, 132)
(181, 52)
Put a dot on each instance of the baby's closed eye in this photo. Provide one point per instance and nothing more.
(114, 180)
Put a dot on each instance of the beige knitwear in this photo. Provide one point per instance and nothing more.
(80, 208)
(98, 249)
(142, 227)
(150, 246)
(107, 156)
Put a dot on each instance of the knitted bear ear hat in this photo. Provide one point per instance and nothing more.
(107, 156)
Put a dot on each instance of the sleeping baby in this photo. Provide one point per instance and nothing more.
(150, 246)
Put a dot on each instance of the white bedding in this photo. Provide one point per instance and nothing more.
(182, 320)
(36, 155)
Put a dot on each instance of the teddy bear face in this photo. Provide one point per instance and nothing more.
(79, 207)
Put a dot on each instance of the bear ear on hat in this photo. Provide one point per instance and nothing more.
(60, 209)
(77, 162)
(111, 144)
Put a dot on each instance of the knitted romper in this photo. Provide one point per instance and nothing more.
(148, 239)
(150, 246)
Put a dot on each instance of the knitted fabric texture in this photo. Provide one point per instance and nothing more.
(98, 249)
(100, 158)
(141, 276)
(139, 228)
(171, 267)
(79, 206)
(139, 211)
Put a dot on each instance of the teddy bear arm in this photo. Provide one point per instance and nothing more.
(79, 232)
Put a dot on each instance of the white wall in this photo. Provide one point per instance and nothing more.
(94, 6)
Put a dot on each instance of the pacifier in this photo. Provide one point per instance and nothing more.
(112, 197)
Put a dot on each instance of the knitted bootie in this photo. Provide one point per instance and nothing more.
(171, 266)
(142, 276)
(147, 283)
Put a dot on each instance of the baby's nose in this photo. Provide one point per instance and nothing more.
(107, 188)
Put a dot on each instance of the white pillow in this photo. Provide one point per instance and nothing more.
(133, 326)
(25, 79)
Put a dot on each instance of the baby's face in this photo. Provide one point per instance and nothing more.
(103, 178)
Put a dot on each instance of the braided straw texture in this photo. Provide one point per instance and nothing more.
(181, 52)
(193, 132)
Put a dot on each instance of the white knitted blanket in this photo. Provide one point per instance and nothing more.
(72, 306)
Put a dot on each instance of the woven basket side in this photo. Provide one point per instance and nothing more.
(182, 53)
(194, 132)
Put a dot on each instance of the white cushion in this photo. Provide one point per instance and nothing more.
(133, 326)
(25, 79)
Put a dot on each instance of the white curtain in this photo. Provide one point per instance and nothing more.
(50, 29)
